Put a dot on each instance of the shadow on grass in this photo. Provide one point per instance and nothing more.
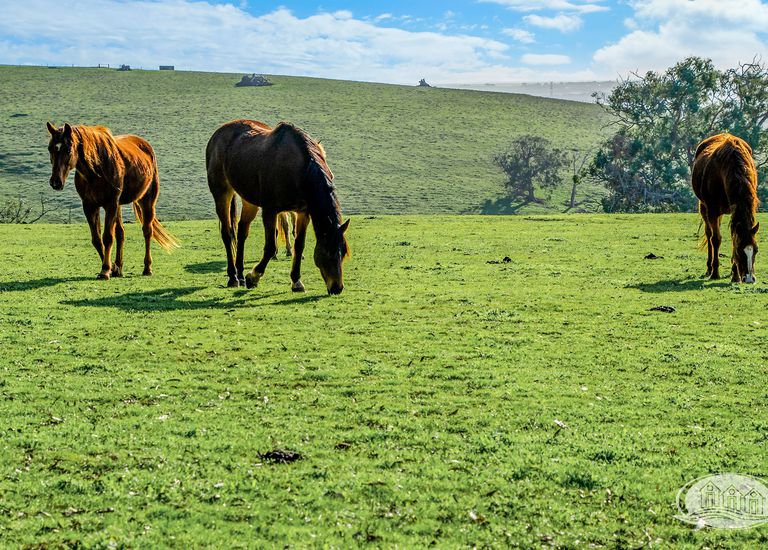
(502, 206)
(216, 266)
(297, 299)
(165, 299)
(673, 285)
(20, 286)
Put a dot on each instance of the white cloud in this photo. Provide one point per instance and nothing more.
(545, 59)
(576, 6)
(562, 22)
(521, 35)
(666, 31)
(198, 35)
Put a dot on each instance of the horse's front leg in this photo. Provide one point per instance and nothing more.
(110, 220)
(302, 221)
(270, 246)
(243, 229)
(93, 216)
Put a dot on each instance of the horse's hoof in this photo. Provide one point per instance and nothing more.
(116, 272)
(251, 280)
(288, 254)
(298, 286)
(104, 276)
(147, 272)
(233, 283)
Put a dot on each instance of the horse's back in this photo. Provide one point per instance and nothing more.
(262, 165)
(722, 164)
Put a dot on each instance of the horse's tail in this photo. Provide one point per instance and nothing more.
(703, 241)
(233, 215)
(161, 235)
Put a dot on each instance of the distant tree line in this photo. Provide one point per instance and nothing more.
(659, 120)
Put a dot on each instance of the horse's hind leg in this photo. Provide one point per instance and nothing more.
(707, 237)
(117, 267)
(285, 222)
(223, 203)
(302, 221)
(243, 229)
(270, 246)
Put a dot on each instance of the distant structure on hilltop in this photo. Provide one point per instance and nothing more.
(254, 80)
(423, 83)
(124, 68)
(167, 68)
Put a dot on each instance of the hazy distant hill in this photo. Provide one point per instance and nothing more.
(394, 149)
(573, 91)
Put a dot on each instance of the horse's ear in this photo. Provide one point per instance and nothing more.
(67, 130)
(755, 229)
(51, 128)
(345, 226)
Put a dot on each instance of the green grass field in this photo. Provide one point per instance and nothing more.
(393, 149)
(423, 399)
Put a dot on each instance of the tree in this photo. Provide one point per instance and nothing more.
(577, 162)
(661, 118)
(530, 161)
(17, 211)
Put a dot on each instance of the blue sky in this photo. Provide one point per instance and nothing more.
(454, 41)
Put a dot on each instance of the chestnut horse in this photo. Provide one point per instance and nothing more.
(725, 181)
(278, 170)
(286, 226)
(110, 171)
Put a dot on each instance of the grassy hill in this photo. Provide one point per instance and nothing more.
(394, 149)
(423, 400)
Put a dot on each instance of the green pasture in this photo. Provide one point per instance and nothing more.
(448, 397)
(393, 149)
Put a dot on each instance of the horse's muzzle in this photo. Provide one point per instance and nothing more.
(335, 289)
(749, 278)
(56, 184)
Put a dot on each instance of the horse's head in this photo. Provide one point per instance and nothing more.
(744, 253)
(63, 154)
(330, 252)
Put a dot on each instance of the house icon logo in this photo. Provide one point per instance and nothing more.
(725, 501)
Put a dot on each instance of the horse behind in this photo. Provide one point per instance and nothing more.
(277, 170)
(110, 171)
(724, 179)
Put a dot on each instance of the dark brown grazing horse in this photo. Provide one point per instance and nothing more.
(725, 181)
(280, 170)
(110, 171)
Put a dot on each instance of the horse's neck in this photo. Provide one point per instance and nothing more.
(100, 164)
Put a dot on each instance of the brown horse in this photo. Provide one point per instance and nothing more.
(110, 171)
(725, 181)
(279, 170)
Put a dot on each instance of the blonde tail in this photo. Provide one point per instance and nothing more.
(166, 241)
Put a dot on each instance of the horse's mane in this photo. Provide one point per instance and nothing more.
(97, 149)
(323, 202)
